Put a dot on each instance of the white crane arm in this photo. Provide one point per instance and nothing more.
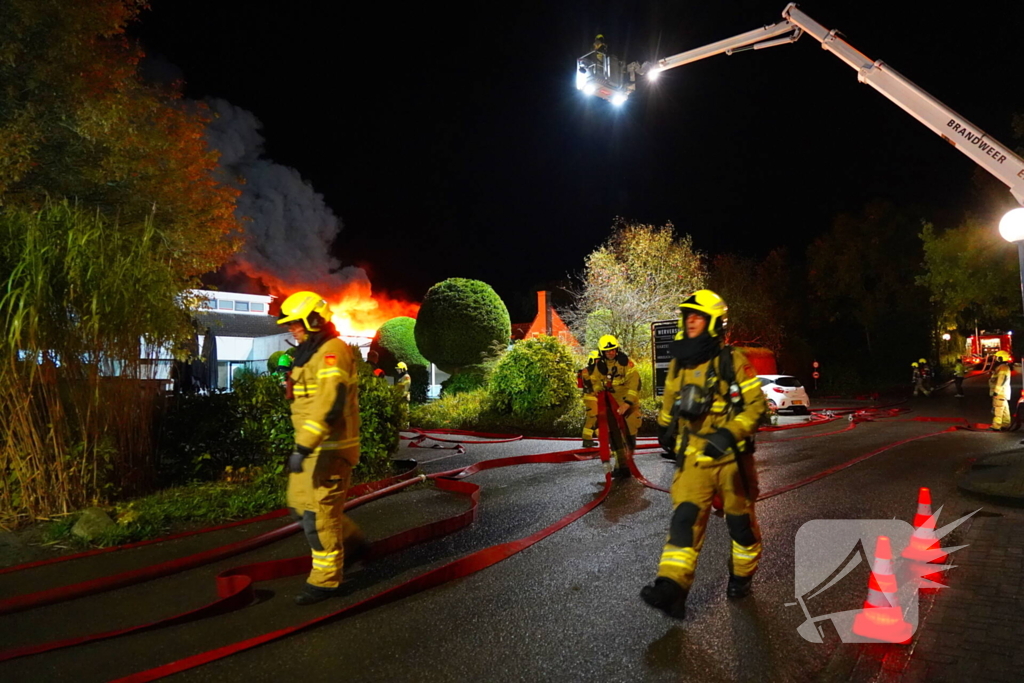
(988, 153)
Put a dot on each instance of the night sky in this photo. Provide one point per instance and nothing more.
(452, 142)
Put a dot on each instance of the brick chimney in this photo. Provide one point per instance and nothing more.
(544, 307)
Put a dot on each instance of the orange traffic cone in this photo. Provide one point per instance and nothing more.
(924, 547)
(882, 619)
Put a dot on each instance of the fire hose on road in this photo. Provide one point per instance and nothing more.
(235, 586)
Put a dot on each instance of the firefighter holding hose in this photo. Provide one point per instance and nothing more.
(616, 374)
(710, 411)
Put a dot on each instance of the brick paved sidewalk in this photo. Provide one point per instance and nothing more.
(974, 629)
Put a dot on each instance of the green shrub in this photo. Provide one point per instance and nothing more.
(466, 379)
(536, 375)
(461, 410)
(383, 412)
(201, 436)
(396, 341)
(459, 321)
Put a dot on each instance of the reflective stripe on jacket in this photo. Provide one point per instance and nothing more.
(742, 424)
(323, 415)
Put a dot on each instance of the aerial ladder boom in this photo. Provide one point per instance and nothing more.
(988, 153)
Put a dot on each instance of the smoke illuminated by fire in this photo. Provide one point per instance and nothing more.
(358, 312)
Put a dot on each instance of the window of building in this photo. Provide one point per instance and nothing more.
(257, 308)
(241, 305)
(209, 304)
(225, 305)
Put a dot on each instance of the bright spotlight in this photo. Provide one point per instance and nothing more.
(619, 99)
(581, 79)
(653, 74)
(589, 89)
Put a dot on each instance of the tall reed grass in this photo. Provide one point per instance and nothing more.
(80, 297)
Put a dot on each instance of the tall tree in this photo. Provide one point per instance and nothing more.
(862, 278)
(972, 275)
(77, 122)
(756, 293)
(639, 275)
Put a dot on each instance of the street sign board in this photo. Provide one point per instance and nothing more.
(662, 334)
(816, 374)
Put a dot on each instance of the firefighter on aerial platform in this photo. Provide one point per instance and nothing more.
(710, 410)
(589, 401)
(601, 53)
(616, 374)
(999, 390)
(325, 415)
(403, 380)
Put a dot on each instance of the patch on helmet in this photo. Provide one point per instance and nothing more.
(331, 359)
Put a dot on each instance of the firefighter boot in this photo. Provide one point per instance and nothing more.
(666, 595)
(311, 595)
(739, 586)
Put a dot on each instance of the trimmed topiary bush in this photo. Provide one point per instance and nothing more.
(459, 323)
(536, 375)
(396, 341)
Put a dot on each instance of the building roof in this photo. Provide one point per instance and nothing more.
(519, 330)
(229, 324)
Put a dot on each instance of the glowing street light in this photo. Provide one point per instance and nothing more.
(946, 337)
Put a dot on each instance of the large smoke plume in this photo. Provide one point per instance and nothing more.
(289, 229)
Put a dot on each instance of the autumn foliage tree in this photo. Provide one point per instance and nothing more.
(639, 275)
(77, 122)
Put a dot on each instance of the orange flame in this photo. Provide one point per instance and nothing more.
(359, 312)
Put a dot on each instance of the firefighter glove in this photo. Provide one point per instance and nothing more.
(296, 458)
(719, 443)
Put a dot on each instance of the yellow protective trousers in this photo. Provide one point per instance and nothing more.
(621, 445)
(317, 496)
(693, 488)
(590, 424)
(1000, 413)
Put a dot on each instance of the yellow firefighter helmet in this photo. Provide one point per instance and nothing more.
(1003, 356)
(923, 361)
(309, 307)
(607, 343)
(914, 364)
(594, 355)
(710, 304)
(402, 366)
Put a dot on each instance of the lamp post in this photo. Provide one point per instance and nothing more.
(1011, 227)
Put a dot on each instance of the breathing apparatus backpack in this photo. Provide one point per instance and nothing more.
(694, 400)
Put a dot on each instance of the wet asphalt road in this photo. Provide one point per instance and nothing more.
(564, 609)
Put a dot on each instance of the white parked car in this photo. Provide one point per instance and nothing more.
(785, 392)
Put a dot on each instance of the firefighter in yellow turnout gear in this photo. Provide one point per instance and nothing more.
(615, 373)
(708, 417)
(589, 402)
(999, 390)
(325, 415)
(403, 380)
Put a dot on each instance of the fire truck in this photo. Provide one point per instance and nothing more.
(985, 344)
